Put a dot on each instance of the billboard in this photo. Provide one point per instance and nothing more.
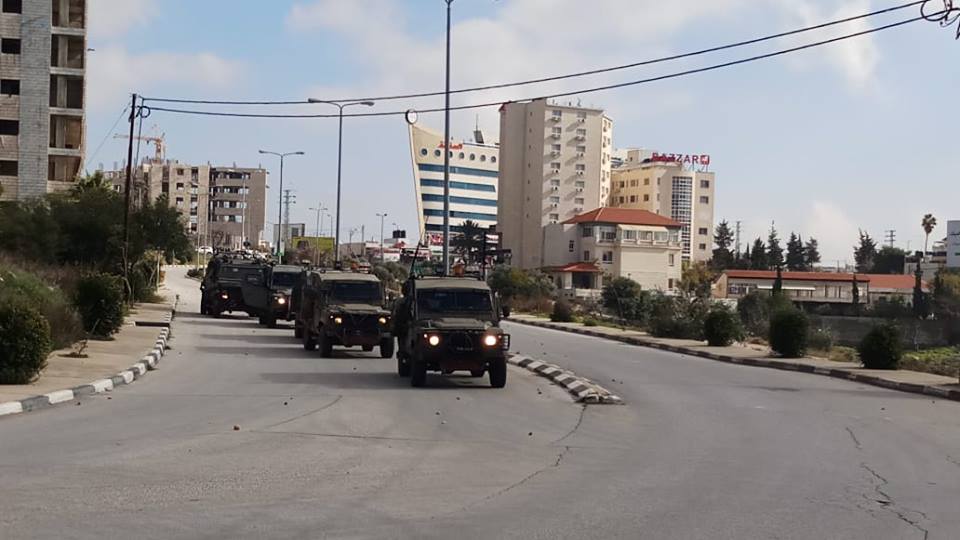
(325, 243)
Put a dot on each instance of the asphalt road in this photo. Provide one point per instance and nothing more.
(343, 448)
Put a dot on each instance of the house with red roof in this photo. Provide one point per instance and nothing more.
(583, 251)
(818, 287)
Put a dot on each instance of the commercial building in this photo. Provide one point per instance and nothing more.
(43, 47)
(554, 166)
(617, 242)
(474, 174)
(674, 185)
(953, 244)
(818, 287)
(222, 206)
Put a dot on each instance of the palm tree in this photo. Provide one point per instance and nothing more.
(928, 223)
(469, 243)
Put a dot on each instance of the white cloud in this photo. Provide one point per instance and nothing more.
(109, 20)
(114, 73)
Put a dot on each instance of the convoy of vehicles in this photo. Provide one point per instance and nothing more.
(440, 324)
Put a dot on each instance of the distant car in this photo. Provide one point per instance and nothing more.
(206, 250)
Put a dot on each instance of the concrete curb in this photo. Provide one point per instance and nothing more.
(147, 363)
(786, 365)
(583, 390)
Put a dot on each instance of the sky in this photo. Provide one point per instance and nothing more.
(852, 136)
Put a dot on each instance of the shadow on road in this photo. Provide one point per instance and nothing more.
(378, 380)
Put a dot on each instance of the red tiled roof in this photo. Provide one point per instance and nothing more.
(892, 281)
(623, 216)
(574, 267)
(796, 276)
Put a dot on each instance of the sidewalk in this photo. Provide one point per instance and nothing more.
(104, 358)
(908, 381)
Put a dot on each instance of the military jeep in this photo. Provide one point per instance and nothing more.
(346, 309)
(222, 286)
(270, 293)
(449, 324)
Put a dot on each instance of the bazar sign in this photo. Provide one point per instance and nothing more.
(686, 159)
(452, 146)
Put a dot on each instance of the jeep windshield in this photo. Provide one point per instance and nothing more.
(356, 292)
(454, 301)
(284, 279)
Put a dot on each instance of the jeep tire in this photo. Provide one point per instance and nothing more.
(498, 373)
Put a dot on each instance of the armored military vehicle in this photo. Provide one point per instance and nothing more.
(222, 285)
(449, 324)
(270, 294)
(346, 309)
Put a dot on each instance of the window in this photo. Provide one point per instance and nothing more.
(629, 235)
(704, 199)
(554, 200)
(672, 259)
(570, 246)
(13, 6)
(10, 87)
(582, 149)
(9, 127)
(8, 168)
(581, 167)
(646, 181)
(555, 148)
(670, 283)
(578, 201)
(646, 236)
(646, 198)
(703, 247)
(608, 256)
(586, 255)
(622, 200)
(436, 153)
(633, 198)
(705, 184)
(587, 232)
(557, 114)
(702, 231)
(581, 133)
(493, 159)
(633, 183)
(555, 165)
(423, 151)
(580, 184)
(461, 155)
(581, 114)
(557, 131)
(555, 182)
(554, 218)
(10, 46)
(179, 186)
(483, 157)
(473, 157)
(623, 184)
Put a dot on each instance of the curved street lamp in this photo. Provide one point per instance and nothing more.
(280, 194)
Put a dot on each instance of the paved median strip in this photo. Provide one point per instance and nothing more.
(148, 362)
(582, 389)
(775, 363)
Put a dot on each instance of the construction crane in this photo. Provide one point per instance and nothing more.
(157, 141)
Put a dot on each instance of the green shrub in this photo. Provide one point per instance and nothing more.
(99, 299)
(722, 327)
(24, 343)
(820, 339)
(677, 317)
(590, 321)
(789, 329)
(32, 290)
(881, 348)
(562, 312)
(754, 311)
(141, 283)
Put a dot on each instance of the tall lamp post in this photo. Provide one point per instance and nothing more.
(280, 195)
(446, 156)
(382, 217)
(340, 107)
(318, 209)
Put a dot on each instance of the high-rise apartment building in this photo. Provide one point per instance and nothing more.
(223, 206)
(43, 46)
(675, 186)
(554, 165)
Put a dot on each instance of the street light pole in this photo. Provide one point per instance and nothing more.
(382, 217)
(280, 195)
(446, 156)
(340, 107)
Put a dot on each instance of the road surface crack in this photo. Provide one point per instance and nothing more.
(583, 410)
(853, 436)
(887, 502)
(308, 413)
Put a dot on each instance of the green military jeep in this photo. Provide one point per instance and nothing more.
(270, 293)
(344, 308)
(449, 324)
(222, 285)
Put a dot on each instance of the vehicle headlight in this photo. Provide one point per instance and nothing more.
(490, 340)
(281, 300)
(383, 320)
(433, 340)
(338, 320)
(224, 296)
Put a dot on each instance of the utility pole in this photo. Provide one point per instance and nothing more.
(738, 239)
(891, 236)
(126, 191)
(446, 156)
(382, 217)
(288, 199)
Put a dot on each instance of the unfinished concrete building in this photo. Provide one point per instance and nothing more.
(43, 46)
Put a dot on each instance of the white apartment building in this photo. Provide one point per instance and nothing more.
(554, 165)
(953, 244)
(676, 186)
(43, 47)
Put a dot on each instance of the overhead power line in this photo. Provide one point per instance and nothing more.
(565, 76)
(684, 73)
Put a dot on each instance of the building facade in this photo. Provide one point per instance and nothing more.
(474, 181)
(554, 165)
(634, 244)
(678, 190)
(43, 47)
(222, 206)
(953, 244)
(818, 287)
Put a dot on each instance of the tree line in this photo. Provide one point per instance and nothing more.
(799, 256)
